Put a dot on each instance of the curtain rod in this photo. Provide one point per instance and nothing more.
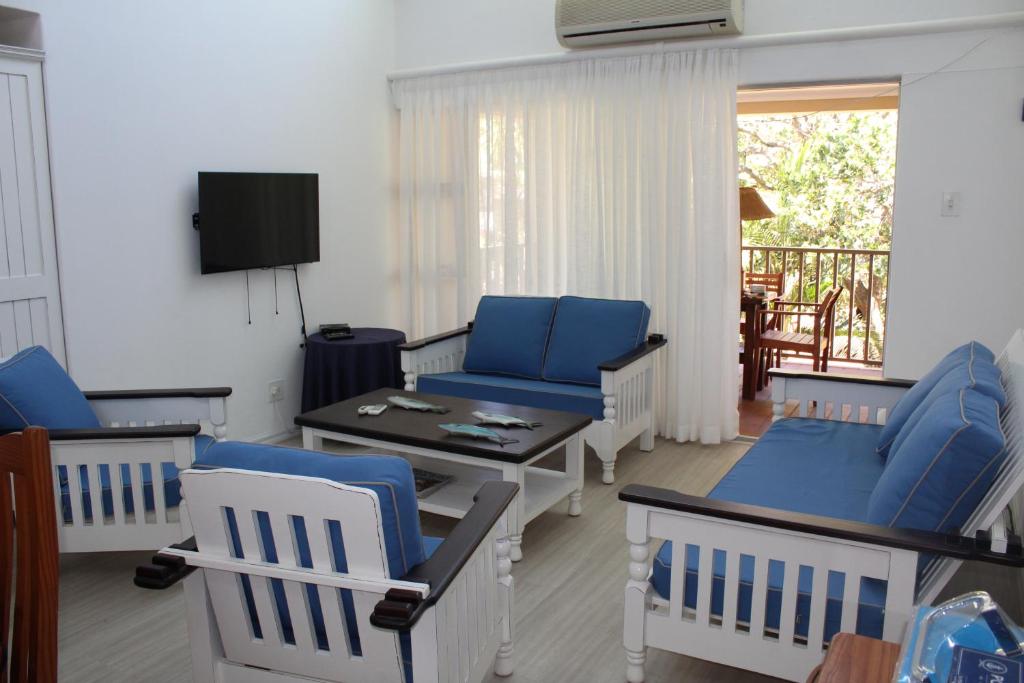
(991, 21)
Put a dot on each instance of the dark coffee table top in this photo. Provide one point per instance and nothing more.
(413, 428)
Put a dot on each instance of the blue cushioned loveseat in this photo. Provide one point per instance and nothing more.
(115, 454)
(590, 356)
(831, 522)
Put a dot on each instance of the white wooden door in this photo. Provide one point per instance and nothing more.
(30, 311)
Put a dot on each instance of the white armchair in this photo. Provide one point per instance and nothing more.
(116, 486)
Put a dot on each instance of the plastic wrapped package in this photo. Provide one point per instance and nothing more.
(966, 640)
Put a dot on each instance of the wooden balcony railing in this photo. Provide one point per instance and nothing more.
(858, 333)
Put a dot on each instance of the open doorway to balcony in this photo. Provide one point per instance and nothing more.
(817, 172)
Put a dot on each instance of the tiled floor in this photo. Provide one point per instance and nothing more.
(756, 415)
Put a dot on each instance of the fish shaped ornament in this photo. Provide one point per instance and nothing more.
(407, 403)
(476, 432)
(504, 420)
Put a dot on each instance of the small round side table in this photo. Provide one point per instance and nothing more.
(338, 370)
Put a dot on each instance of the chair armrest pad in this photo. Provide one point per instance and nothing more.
(427, 341)
(949, 545)
(165, 570)
(653, 343)
(788, 373)
(400, 610)
(133, 394)
(111, 433)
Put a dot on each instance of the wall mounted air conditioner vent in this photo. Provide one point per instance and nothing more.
(586, 23)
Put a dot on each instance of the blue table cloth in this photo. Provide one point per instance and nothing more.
(338, 370)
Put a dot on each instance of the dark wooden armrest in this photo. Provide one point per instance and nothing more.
(95, 433)
(165, 570)
(788, 373)
(427, 341)
(653, 343)
(929, 542)
(400, 609)
(133, 394)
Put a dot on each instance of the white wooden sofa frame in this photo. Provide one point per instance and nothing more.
(858, 550)
(627, 385)
(142, 428)
(456, 606)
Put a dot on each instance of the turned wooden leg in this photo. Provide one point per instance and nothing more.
(635, 608)
(575, 504)
(503, 659)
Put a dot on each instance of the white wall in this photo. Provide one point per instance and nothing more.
(141, 96)
(953, 279)
(435, 32)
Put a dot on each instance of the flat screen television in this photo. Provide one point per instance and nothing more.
(258, 220)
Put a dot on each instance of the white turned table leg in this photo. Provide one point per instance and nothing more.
(503, 659)
(574, 459)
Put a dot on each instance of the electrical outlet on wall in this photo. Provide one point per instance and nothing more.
(275, 391)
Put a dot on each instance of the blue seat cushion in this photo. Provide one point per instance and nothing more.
(588, 332)
(35, 390)
(939, 473)
(870, 604)
(510, 334)
(168, 475)
(388, 476)
(818, 467)
(573, 398)
(964, 357)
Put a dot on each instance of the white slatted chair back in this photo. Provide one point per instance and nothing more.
(1008, 481)
(302, 514)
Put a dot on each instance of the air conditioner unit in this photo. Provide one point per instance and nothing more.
(586, 23)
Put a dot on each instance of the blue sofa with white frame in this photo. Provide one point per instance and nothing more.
(583, 355)
(829, 523)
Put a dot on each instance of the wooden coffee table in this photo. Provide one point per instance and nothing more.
(418, 438)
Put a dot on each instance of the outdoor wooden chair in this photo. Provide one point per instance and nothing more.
(775, 285)
(28, 546)
(818, 343)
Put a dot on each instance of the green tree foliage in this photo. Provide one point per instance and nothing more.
(828, 177)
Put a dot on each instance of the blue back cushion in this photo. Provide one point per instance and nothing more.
(509, 335)
(390, 477)
(962, 356)
(938, 475)
(588, 332)
(35, 390)
(978, 375)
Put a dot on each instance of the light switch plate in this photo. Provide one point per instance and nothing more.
(950, 204)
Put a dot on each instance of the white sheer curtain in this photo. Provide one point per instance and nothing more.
(607, 177)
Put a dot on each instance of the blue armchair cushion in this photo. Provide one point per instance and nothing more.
(965, 357)
(534, 393)
(388, 476)
(35, 390)
(588, 332)
(940, 472)
(870, 603)
(509, 336)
